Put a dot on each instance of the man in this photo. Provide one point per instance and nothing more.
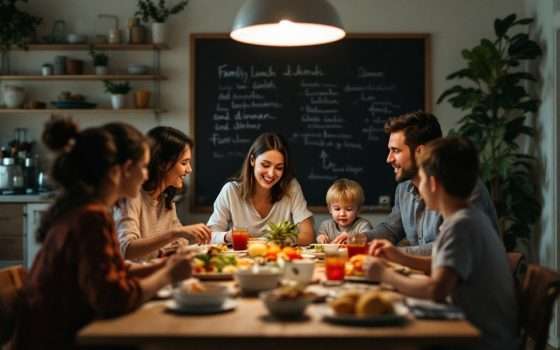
(410, 219)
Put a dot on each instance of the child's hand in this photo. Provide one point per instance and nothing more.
(323, 239)
(341, 238)
(384, 249)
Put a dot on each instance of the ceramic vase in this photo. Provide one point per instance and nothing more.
(159, 33)
(118, 101)
(13, 96)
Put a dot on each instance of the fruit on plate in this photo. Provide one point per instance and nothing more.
(355, 265)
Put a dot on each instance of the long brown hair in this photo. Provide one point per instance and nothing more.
(263, 143)
(84, 159)
(167, 145)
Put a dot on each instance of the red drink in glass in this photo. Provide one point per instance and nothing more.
(239, 238)
(355, 249)
(334, 268)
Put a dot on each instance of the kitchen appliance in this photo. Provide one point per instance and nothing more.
(11, 177)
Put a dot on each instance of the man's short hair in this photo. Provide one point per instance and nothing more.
(453, 161)
(345, 191)
(419, 128)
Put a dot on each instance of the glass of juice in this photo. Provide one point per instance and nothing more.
(239, 238)
(357, 244)
(334, 266)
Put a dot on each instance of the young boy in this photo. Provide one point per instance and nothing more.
(344, 199)
(468, 263)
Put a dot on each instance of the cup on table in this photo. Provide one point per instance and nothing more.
(239, 238)
(357, 244)
(299, 270)
(334, 264)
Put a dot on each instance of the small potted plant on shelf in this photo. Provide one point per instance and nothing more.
(17, 28)
(118, 93)
(158, 14)
(283, 234)
(100, 61)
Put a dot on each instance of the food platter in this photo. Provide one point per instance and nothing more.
(399, 317)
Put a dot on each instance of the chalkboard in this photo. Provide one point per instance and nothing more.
(329, 101)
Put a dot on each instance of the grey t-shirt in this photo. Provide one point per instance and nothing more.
(331, 229)
(231, 210)
(468, 244)
(411, 220)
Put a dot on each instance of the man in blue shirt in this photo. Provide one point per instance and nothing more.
(409, 218)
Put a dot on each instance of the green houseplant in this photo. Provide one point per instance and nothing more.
(497, 105)
(100, 61)
(16, 28)
(158, 14)
(118, 92)
(283, 234)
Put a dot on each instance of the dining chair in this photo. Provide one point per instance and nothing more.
(518, 268)
(11, 281)
(539, 291)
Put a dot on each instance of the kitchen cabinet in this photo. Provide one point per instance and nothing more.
(156, 77)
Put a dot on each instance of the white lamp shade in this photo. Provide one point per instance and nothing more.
(287, 23)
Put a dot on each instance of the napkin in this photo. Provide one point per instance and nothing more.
(428, 309)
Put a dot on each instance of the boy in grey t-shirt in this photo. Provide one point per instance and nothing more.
(344, 200)
(469, 266)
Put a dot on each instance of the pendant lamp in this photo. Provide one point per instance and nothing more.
(287, 23)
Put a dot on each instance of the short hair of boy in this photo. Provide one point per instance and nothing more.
(453, 161)
(345, 191)
(419, 128)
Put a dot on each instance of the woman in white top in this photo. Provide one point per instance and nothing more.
(266, 191)
(147, 225)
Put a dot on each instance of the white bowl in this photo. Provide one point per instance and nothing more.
(251, 281)
(299, 270)
(74, 38)
(214, 295)
(285, 308)
(134, 68)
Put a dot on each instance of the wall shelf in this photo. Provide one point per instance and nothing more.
(81, 110)
(77, 47)
(85, 77)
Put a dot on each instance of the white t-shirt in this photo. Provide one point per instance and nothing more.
(468, 244)
(231, 210)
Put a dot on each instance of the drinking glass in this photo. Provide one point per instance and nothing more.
(334, 265)
(357, 244)
(239, 238)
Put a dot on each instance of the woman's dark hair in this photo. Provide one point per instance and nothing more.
(167, 145)
(453, 161)
(83, 162)
(265, 142)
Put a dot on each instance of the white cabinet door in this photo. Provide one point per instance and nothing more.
(33, 212)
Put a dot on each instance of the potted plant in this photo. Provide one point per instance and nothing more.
(158, 14)
(16, 30)
(497, 104)
(283, 234)
(100, 61)
(118, 92)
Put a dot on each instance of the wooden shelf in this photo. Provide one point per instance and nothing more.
(115, 47)
(81, 110)
(85, 77)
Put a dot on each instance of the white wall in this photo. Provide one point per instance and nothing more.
(454, 25)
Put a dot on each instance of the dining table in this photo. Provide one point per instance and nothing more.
(249, 326)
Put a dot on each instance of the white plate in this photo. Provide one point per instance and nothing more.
(398, 318)
(165, 292)
(228, 305)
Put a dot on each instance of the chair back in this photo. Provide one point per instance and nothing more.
(11, 282)
(540, 289)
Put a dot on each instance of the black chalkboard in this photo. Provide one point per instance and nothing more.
(330, 102)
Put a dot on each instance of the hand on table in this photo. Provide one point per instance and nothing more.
(384, 249)
(341, 238)
(323, 238)
(200, 232)
(374, 268)
(179, 266)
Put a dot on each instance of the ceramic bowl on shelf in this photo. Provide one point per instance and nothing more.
(137, 69)
(74, 38)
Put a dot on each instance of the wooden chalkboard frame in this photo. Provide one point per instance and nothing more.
(425, 37)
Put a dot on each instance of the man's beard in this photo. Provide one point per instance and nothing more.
(410, 173)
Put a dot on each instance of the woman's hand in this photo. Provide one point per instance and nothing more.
(323, 238)
(200, 232)
(384, 249)
(341, 238)
(179, 266)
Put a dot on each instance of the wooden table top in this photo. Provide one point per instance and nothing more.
(250, 327)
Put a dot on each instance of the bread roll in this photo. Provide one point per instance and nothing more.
(343, 306)
(373, 303)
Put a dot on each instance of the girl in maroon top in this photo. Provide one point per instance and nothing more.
(79, 274)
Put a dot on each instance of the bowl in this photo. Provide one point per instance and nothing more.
(258, 280)
(134, 68)
(74, 38)
(299, 270)
(285, 308)
(212, 295)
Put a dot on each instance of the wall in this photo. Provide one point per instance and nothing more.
(454, 25)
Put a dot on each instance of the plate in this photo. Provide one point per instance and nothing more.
(358, 279)
(396, 319)
(165, 292)
(213, 276)
(73, 104)
(228, 305)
